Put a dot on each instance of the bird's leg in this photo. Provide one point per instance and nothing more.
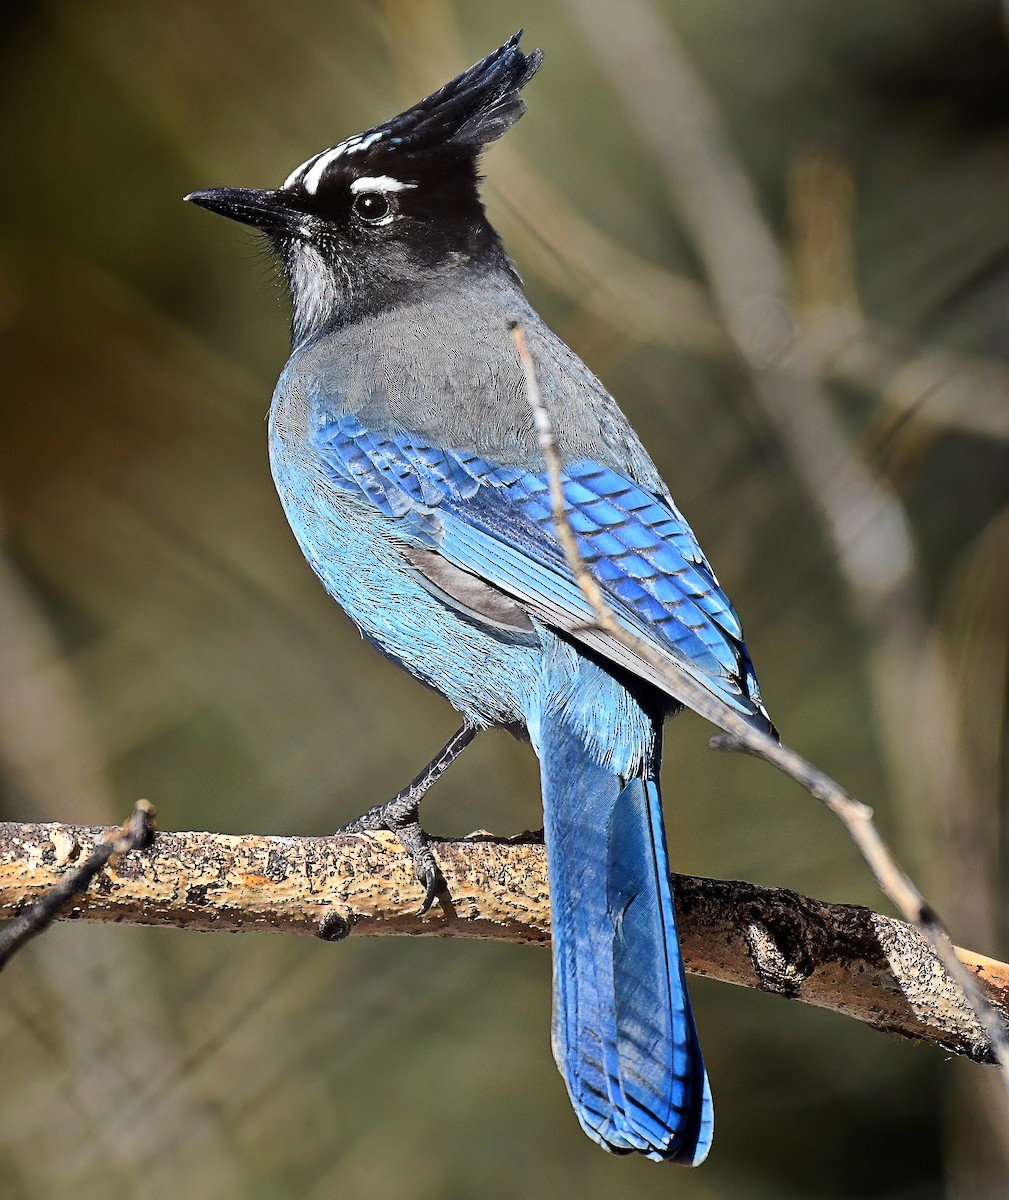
(401, 814)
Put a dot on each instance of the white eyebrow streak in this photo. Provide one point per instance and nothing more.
(379, 183)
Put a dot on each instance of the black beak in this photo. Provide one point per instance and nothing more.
(269, 211)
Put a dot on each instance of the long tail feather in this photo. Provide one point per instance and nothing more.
(623, 1032)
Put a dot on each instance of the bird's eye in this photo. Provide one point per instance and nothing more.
(374, 208)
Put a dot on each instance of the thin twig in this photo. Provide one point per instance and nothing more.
(856, 816)
(133, 834)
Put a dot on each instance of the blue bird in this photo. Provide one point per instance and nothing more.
(403, 450)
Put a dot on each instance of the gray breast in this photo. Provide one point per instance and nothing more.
(446, 367)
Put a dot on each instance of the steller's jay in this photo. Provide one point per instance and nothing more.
(402, 447)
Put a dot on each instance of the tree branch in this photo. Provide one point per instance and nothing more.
(848, 959)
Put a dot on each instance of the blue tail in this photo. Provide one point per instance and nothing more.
(623, 1032)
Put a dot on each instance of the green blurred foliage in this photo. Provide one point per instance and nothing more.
(162, 636)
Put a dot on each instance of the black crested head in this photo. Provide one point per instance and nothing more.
(448, 127)
(362, 225)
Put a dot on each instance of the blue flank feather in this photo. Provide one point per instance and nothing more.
(497, 522)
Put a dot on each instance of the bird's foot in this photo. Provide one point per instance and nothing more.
(400, 816)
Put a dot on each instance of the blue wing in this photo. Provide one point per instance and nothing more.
(495, 521)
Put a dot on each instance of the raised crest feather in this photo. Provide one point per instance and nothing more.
(468, 112)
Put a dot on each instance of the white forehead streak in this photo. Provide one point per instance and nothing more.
(310, 173)
(313, 176)
(297, 173)
(379, 183)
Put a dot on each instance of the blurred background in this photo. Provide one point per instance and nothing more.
(780, 233)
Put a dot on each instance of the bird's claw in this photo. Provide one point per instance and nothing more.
(401, 816)
(429, 877)
(413, 839)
